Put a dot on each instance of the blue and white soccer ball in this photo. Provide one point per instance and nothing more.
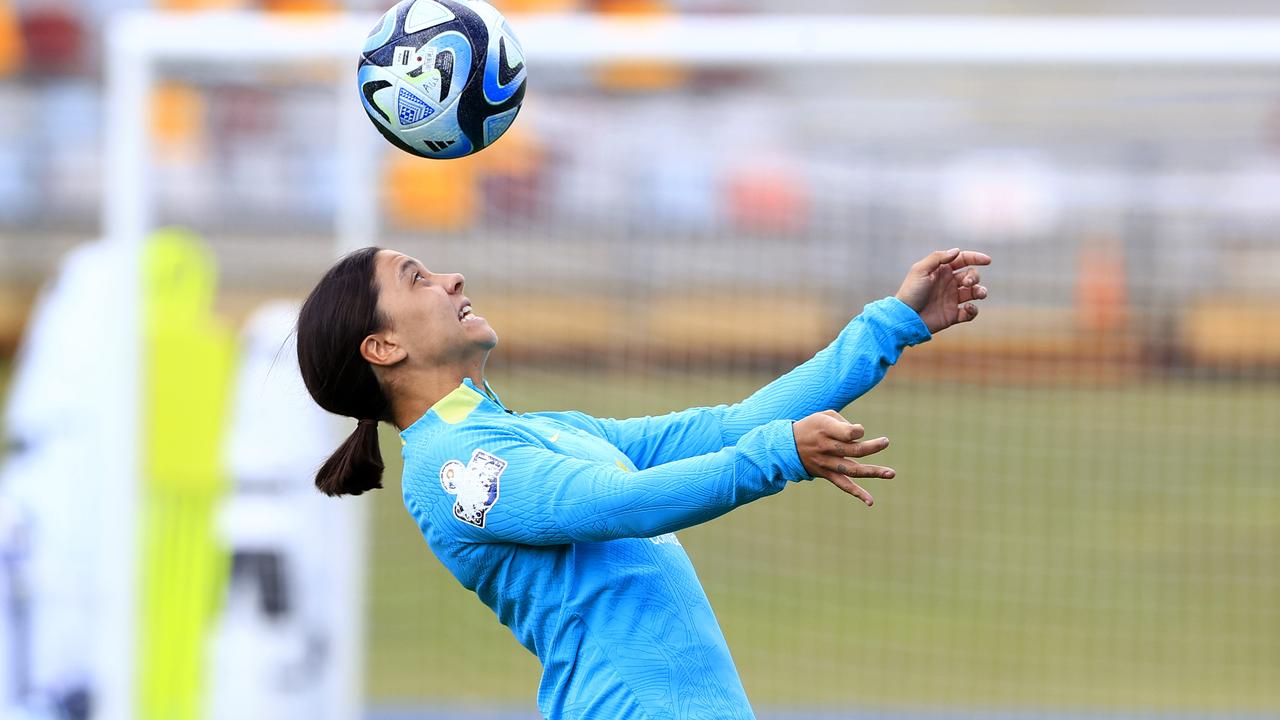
(442, 78)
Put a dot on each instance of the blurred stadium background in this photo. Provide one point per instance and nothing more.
(1086, 520)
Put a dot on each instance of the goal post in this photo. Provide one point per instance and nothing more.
(141, 44)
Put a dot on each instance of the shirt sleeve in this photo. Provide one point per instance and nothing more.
(848, 368)
(516, 490)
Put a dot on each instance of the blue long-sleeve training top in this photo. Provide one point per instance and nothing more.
(561, 522)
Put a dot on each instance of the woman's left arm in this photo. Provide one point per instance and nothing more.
(937, 293)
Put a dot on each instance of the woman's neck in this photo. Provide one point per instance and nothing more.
(414, 393)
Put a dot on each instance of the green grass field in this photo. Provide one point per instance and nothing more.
(1041, 547)
(1046, 547)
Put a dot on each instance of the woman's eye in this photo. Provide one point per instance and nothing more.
(417, 276)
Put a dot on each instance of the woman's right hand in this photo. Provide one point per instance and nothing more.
(828, 444)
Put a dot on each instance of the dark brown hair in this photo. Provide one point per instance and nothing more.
(340, 312)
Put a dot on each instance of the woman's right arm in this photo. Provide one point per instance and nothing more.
(502, 487)
(938, 292)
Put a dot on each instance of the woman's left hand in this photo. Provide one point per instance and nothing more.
(829, 446)
(941, 288)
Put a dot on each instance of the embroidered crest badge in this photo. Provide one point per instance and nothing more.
(475, 485)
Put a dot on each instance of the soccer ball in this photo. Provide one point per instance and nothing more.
(442, 78)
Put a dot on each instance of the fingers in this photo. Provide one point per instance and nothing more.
(869, 447)
(845, 436)
(851, 487)
(967, 277)
(843, 431)
(936, 259)
(852, 469)
(836, 462)
(841, 459)
(955, 258)
(967, 258)
(838, 449)
(829, 446)
(839, 429)
(977, 292)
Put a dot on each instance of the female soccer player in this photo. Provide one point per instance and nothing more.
(561, 522)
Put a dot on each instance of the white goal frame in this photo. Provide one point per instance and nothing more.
(139, 42)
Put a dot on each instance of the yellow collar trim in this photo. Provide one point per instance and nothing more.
(458, 405)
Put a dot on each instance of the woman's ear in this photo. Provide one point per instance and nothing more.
(382, 349)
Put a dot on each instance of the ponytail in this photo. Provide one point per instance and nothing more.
(340, 312)
(356, 466)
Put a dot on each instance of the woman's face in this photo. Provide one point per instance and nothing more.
(428, 314)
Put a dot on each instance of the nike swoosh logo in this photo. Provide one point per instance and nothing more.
(554, 438)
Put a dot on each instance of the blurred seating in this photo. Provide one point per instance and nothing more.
(1029, 345)
(638, 76)
(530, 6)
(512, 179)
(53, 41)
(430, 194)
(177, 119)
(10, 40)
(15, 305)
(1226, 331)
(768, 197)
(534, 324)
(447, 194)
(735, 324)
(1102, 298)
(301, 6)
(201, 4)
